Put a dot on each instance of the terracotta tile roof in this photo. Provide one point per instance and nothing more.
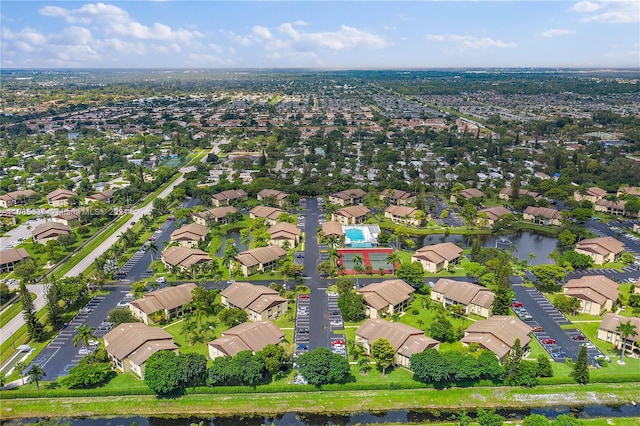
(165, 298)
(437, 253)
(353, 211)
(253, 336)
(385, 293)
(126, 338)
(495, 212)
(260, 255)
(596, 288)
(49, 229)
(332, 228)
(184, 257)
(60, 194)
(13, 255)
(349, 194)
(266, 212)
(601, 245)
(401, 211)
(190, 232)
(543, 211)
(464, 292)
(229, 195)
(498, 334)
(217, 213)
(243, 295)
(278, 195)
(397, 333)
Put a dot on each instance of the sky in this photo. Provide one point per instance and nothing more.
(319, 34)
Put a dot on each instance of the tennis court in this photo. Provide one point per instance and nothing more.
(375, 257)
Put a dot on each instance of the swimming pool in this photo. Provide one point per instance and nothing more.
(354, 234)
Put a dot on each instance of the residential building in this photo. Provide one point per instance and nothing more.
(269, 214)
(488, 217)
(601, 249)
(623, 191)
(284, 232)
(276, 197)
(261, 303)
(13, 198)
(219, 215)
(225, 198)
(60, 197)
(466, 194)
(8, 218)
(437, 257)
(67, 218)
(166, 303)
(507, 193)
(351, 215)
(332, 229)
(190, 235)
(397, 197)
(9, 258)
(260, 259)
(474, 298)
(405, 339)
(183, 258)
(49, 231)
(596, 293)
(103, 196)
(498, 334)
(617, 208)
(386, 298)
(249, 336)
(403, 214)
(129, 346)
(542, 215)
(592, 194)
(348, 198)
(608, 331)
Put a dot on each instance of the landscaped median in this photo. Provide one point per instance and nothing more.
(314, 401)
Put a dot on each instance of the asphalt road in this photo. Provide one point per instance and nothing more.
(18, 321)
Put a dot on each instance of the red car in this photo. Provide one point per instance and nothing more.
(337, 342)
(303, 296)
(548, 341)
(516, 305)
(579, 337)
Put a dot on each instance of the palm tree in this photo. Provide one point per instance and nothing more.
(625, 329)
(36, 373)
(358, 266)
(153, 249)
(393, 258)
(85, 333)
(20, 367)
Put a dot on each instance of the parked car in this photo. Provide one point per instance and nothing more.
(579, 337)
(538, 329)
(548, 341)
(516, 305)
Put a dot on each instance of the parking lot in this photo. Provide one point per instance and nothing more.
(301, 329)
(61, 355)
(338, 341)
(539, 313)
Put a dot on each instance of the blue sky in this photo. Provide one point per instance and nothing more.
(319, 34)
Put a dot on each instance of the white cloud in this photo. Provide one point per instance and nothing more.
(586, 6)
(262, 32)
(556, 32)
(471, 42)
(609, 11)
(113, 20)
(345, 38)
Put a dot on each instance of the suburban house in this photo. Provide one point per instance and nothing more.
(129, 346)
(474, 298)
(405, 339)
(60, 197)
(273, 196)
(225, 198)
(183, 258)
(269, 214)
(216, 215)
(592, 194)
(623, 191)
(596, 293)
(102, 196)
(507, 193)
(608, 331)
(190, 235)
(492, 215)
(348, 197)
(249, 336)
(437, 257)
(12, 198)
(542, 215)
(397, 197)
(402, 214)
(466, 194)
(498, 334)
(601, 250)
(167, 302)
(284, 232)
(260, 302)
(67, 218)
(260, 259)
(351, 215)
(386, 298)
(9, 258)
(49, 231)
(332, 229)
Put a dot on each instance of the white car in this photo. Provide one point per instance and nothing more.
(161, 280)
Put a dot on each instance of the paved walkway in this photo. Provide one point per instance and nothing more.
(18, 321)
